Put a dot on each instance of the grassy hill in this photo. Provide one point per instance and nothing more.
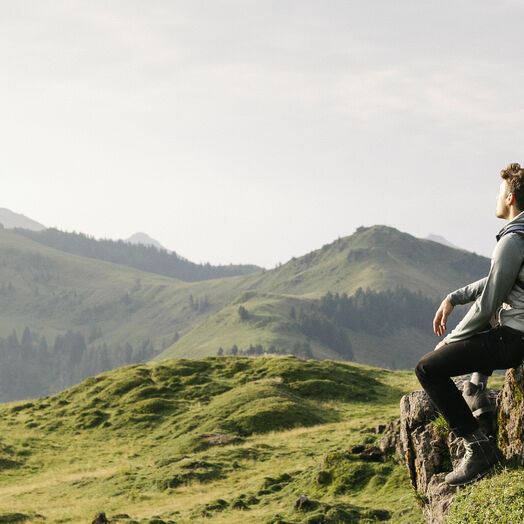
(53, 291)
(232, 439)
(125, 315)
(378, 258)
(150, 257)
(119, 314)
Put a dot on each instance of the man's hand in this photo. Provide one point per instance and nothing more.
(441, 317)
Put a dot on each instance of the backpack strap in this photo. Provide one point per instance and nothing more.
(511, 229)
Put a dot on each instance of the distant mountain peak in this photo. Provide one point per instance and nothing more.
(144, 240)
(441, 240)
(9, 219)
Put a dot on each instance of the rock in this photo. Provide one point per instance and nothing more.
(439, 498)
(428, 455)
(303, 503)
(368, 452)
(429, 450)
(219, 439)
(390, 443)
(100, 518)
(510, 416)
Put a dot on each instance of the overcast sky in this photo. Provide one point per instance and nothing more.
(253, 131)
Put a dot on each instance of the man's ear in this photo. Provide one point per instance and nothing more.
(510, 199)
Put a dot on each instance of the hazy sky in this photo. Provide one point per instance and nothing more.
(253, 131)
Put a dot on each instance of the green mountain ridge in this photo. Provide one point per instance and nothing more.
(139, 256)
(378, 258)
(54, 293)
(111, 306)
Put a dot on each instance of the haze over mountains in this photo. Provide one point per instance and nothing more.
(441, 240)
(144, 240)
(66, 314)
(10, 219)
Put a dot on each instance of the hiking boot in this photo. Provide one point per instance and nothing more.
(477, 399)
(480, 456)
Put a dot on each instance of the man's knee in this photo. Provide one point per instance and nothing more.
(424, 366)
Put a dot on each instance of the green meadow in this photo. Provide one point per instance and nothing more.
(226, 439)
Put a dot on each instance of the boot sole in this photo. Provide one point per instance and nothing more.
(474, 479)
(478, 476)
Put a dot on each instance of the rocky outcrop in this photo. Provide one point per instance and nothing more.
(511, 416)
(426, 445)
(421, 439)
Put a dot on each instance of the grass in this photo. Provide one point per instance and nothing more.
(221, 438)
(498, 499)
(55, 291)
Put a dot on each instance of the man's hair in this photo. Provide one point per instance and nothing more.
(514, 177)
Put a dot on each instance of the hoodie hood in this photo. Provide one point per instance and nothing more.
(516, 224)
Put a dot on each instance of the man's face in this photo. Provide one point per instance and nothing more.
(502, 206)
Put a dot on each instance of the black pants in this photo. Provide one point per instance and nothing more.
(498, 348)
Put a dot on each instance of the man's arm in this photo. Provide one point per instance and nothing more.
(468, 293)
(505, 266)
(461, 296)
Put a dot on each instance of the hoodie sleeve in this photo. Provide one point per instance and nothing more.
(505, 267)
(468, 293)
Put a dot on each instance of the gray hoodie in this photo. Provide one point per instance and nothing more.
(499, 292)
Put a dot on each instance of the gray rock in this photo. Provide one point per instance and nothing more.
(430, 452)
(390, 443)
(510, 415)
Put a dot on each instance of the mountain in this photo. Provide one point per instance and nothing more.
(284, 307)
(93, 315)
(378, 257)
(144, 240)
(369, 298)
(441, 240)
(10, 220)
(290, 306)
(139, 256)
(231, 439)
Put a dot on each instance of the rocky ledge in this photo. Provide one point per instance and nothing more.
(422, 441)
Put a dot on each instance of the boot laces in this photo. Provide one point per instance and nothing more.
(467, 455)
(469, 450)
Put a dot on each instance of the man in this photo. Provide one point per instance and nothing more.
(473, 346)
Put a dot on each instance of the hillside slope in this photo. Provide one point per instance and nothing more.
(54, 291)
(232, 439)
(118, 314)
(379, 258)
(65, 317)
(141, 255)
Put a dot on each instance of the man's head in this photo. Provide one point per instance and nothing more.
(510, 200)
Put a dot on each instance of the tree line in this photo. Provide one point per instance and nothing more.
(378, 312)
(300, 349)
(328, 319)
(31, 367)
(138, 256)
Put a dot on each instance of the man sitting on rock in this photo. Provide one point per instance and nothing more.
(474, 346)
